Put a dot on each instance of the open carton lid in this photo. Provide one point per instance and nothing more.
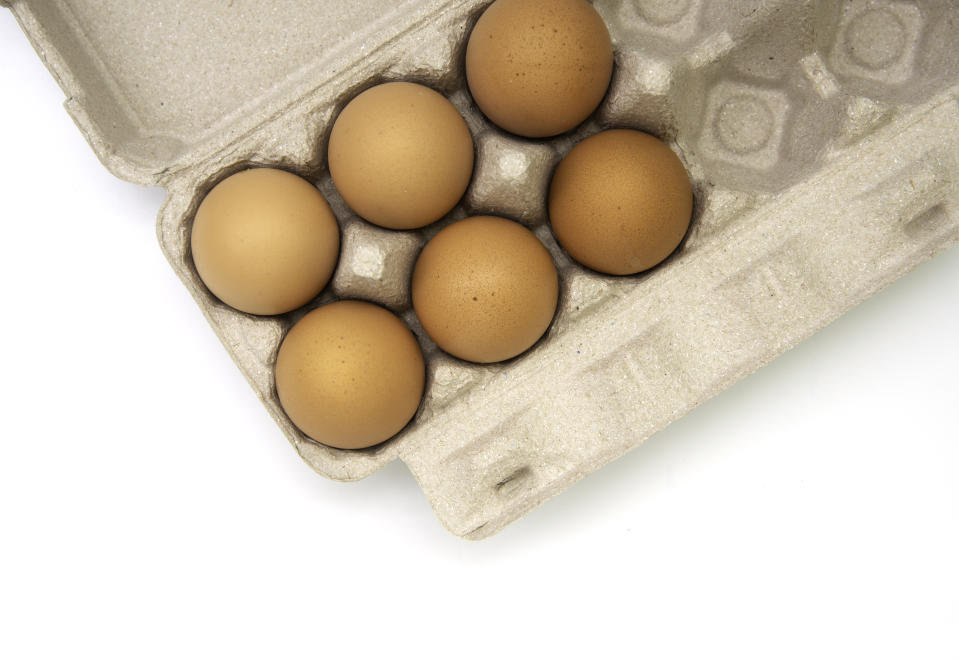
(159, 85)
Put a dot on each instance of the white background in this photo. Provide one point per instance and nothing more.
(150, 509)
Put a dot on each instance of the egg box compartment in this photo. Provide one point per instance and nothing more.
(821, 137)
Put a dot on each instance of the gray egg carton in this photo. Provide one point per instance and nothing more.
(821, 137)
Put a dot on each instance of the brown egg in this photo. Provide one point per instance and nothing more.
(538, 68)
(264, 241)
(485, 289)
(620, 202)
(401, 155)
(350, 374)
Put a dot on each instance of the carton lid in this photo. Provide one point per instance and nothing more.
(156, 85)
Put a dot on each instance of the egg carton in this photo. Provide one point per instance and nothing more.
(821, 138)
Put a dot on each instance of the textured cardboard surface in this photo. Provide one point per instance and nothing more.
(821, 138)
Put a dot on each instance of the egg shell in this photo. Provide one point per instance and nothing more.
(265, 241)
(538, 68)
(350, 374)
(620, 202)
(485, 289)
(401, 155)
